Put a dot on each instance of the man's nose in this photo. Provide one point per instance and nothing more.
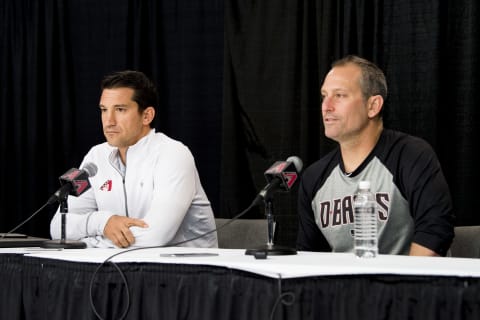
(327, 104)
(109, 117)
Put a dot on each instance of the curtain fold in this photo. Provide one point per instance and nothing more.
(239, 84)
(277, 54)
(53, 56)
(45, 289)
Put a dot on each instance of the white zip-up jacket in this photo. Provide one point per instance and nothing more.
(160, 186)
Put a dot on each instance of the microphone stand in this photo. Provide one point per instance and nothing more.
(63, 243)
(270, 248)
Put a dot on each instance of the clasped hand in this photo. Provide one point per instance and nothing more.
(118, 230)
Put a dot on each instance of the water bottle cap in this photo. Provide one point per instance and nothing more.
(364, 185)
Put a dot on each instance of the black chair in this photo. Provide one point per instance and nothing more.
(466, 243)
(241, 233)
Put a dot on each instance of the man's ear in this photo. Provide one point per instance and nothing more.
(148, 115)
(375, 105)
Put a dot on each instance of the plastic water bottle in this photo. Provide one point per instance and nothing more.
(365, 237)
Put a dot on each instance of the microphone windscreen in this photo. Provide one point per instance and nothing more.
(297, 162)
(90, 168)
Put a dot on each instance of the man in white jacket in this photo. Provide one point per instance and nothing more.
(147, 191)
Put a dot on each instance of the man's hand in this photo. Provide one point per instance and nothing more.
(118, 231)
(419, 250)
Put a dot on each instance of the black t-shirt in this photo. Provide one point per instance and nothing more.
(413, 199)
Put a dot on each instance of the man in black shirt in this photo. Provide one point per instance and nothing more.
(414, 207)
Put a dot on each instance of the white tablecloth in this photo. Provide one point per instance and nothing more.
(303, 264)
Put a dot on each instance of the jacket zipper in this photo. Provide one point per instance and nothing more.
(123, 183)
(125, 194)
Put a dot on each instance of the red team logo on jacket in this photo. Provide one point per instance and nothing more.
(106, 186)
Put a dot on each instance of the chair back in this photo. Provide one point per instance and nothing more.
(466, 243)
(241, 233)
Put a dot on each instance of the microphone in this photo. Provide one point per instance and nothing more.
(281, 176)
(74, 182)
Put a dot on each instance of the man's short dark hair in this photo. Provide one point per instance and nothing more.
(145, 93)
(372, 81)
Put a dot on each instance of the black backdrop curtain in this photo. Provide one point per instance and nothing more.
(265, 59)
(53, 55)
(277, 53)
